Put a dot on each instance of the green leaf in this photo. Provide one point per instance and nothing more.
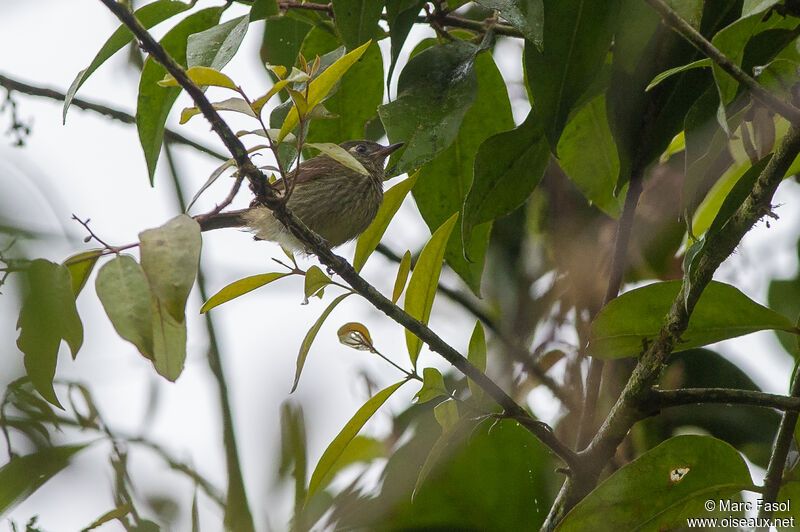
(434, 91)
(48, 316)
(453, 431)
(678, 477)
(204, 76)
(216, 46)
(577, 35)
(751, 7)
(337, 447)
(23, 475)
(283, 37)
(528, 16)
(149, 16)
(476, 354)
(339, 154)
(170, 258)
(627, 323)
(154, 103)
(508, 167)
(309, 339)
(425, 281)
(315, 280)
(125, 294)
(402, 276)
(638, 57)
(169, 342)
(588, 155)
(732, 41)
(80, 267)
(263, 8)
(355, 99)
(320, 86)
(240, 287)
(445, 182)
(369, 239)
(432, 386)
(700, 63)
(357, 20)
(401, 15)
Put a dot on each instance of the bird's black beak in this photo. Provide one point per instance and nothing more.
(387, 150)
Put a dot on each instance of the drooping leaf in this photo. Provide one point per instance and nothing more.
(240, 287)
(154, 102)
(169, 342)
(577, 35)
(369, 239)
(216, 46)
(48, 316)
(23, 475)
(678, 476)
(320, 86)
(356, 336)
(528, 16)
(425, 281)
(434, 91)
(315, 280)
(170, 257)
(445, 182)
(625, 325)
(337, 447)
(310, 336)
(476, 354)
(357, 20)
(432, 386)
(125, 294)
(80, 267)
(588, 155)
(402, 276)
(508, 167)
(149, 15)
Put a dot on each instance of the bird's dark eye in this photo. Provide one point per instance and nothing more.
(361, 148)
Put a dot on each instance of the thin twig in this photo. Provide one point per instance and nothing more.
(121, 116)
(789, 112)
(618, 266)
(266, 196)
(780, 450)
(659, 399)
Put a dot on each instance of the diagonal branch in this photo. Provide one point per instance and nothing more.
(630, 406)
(789, 112)
(266, 196)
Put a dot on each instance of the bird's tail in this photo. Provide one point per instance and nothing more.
(222, 220)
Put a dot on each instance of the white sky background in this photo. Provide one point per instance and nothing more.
(94, 167)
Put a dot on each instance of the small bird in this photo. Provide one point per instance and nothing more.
(336, 202)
